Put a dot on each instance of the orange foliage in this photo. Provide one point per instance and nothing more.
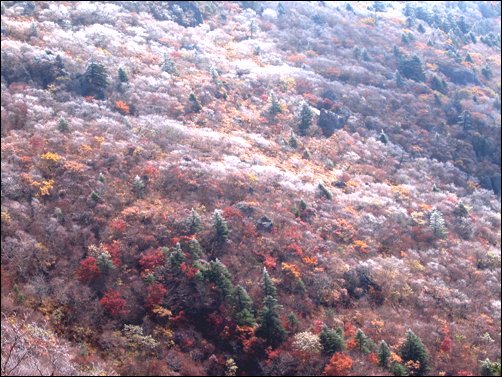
(311, 261)
(361, 246)
(232, 212)
(122, 107)
(291, 269)
(339, 365)
(270, 262)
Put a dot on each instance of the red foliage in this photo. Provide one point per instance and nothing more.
(464, 373)
(295, 248)
(232, 212)
(188, 270)
(113, 303)
(151, 259)
(349, 329)
(373, 358)
(88, 270)
(338, 365)
(118, 226)
(155, 295)
(114, 248)
(446, 344)
(152, 172)
(270, 262)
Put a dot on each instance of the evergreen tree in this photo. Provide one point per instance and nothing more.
(269, 288)
(331, 341)
(468, 58)
(486, 71)
(465, 120)
(438, 85)
(94, 81)
(413, 349)
(194, 222)
(437, 224)
(101, 178)
(383, 137)
(104, 263)
(383, 354)
(324, 191)
(435, 188)
(220, 227)
(169, 66)
(275, 108)
(195, 249)
(122, 75)
(305, 119)
(293, 141)
(365, 56)
(196, 106)
(218, 274)
(421, 28)
(243, 307)
(349, 8)
(398, 369)
(293, 323)
(63, 125)
(362, 341)
(270, 326)
(399, 80)
(489, 368)
(280, 10)
(138, 186)
(411, 69)
(461, 210)
(177, 256)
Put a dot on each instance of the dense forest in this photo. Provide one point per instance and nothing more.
(250, 188)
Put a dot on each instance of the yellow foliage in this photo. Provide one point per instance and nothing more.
(74, 166)
(51, 157)
(401, 192)
(291, 269)
(44, 187)
(368, 21)
(86, 148)
(161, 311)
(360, 246)
(416, 265)
(5, 217)
(310, 260)
(418, 218)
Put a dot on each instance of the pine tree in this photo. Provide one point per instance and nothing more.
(94, 81)
(218, 274)
(220, 227)
(169, 66)
(194, 222)
(461, 210)
(196, 106)
(411, 69)
(243, 307)
(362, 341)
(293, 323)
(195, 249)
(138, 186)
(101, 178)
(331, 341)
(324, 191)
(383, 354)
(293, 141)
(465, 120)
(63, 125)
(104, 262)
(305, 119)
(413, 349)
(177, 256)
(270, 326)
(383, 137)
(489, 368)
(437, 224)
(122, 75)
(399, 80)
(275, 108)
(421, 28)
(269, 288)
